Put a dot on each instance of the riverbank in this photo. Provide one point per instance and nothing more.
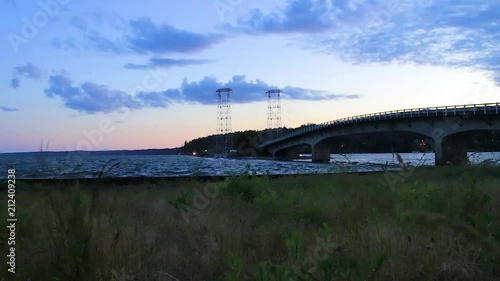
(424, 224)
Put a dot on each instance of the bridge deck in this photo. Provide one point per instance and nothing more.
(471, 109)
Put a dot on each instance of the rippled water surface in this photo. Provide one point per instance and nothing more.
(58, 165)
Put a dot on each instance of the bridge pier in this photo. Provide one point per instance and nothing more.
(450, 152)
(320, 153)
(285, 154)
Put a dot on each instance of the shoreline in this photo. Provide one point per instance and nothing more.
(139, 180)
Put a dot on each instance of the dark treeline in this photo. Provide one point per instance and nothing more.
(245, 142)
(84, 153)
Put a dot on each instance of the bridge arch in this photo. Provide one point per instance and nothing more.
(292, 151)
(384, 141)
(453, 147)
(375, 142)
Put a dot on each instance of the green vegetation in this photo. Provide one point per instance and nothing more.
(436, 224)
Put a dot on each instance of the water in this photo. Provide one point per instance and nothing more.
(57, 165)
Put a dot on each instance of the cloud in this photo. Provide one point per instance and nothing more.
(92, 41)
(305, 16)
(159, 99)
(92, 98)
(105, 45)
(298, 16)
(15, 83)
(203, 92)
(89, 97)
(8, 109)
(67, 44)
(147, 37)
(28, 71)
(138, 36)
(79, 22)
(450, 33)
(166, 63)
(313, 95)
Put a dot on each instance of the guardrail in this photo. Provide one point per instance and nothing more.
(474, 109)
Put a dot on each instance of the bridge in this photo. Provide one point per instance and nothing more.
(441, 126)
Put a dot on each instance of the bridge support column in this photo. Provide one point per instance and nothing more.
(450, 152)
(320, 153)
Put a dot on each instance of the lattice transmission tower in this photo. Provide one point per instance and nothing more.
(223, 142)
(274, 112)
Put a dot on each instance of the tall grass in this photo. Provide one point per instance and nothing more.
(439, 224)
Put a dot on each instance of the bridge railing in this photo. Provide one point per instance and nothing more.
(474, 109)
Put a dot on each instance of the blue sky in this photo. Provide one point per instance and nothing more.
(143, 74)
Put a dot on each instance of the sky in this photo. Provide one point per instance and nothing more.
(101, 75)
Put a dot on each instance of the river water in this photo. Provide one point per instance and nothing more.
(57, 165)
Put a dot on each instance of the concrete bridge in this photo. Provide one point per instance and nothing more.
(441, 126)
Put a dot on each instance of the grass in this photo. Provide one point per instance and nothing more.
(437, 224)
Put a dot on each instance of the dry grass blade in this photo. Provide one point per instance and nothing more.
(166, 275)
(108, 166)
(401, 162)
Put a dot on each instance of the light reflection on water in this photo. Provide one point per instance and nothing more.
(30, 165)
